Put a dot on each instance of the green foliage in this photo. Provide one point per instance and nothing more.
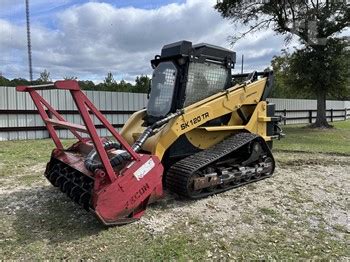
(281, 67)
(4, 81)
(19, 81)
(123, 86)
(305, 72)
(87, 85)
(312, 21)
(70, 78)
(44, 77)
(109, 80)
(141, 85)
(313, 70)
(110, 84)
(325, 70)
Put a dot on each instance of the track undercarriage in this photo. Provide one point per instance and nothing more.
(238, 160)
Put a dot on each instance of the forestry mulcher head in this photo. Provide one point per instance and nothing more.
(107, 177)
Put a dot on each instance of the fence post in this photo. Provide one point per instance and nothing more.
(310, 116)
(331, 114)
(346, 113)
(285, 116)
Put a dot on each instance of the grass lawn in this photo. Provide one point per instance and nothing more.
(299, 213)
(301, 138)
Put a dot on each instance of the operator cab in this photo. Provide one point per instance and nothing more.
(185, 74)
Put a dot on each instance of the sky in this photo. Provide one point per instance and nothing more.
(87, 39)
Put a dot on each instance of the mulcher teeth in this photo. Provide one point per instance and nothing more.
(71, 182)
(53, 174)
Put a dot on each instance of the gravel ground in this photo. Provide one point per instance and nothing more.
(300, 212)
(308, 182)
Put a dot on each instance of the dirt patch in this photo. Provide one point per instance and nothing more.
(24, 176)
(310, 159)
(38, 168)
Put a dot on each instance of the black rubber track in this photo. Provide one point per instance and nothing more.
(179, 174)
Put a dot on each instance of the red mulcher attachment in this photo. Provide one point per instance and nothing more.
(106, 177)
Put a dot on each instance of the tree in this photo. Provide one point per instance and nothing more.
(292, 72)
(284, 86)
(142, 84)
(333, 71)
(70, 78)
(109, 80)
(110, 84)
(280, 67)
(87, 85)
(316, 23)
(123, 86)
(4, 81)
(44, 77)
(19, 82)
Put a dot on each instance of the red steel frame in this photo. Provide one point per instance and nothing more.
(85, 108)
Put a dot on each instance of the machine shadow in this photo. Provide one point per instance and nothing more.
(170, 201)
(46, 213)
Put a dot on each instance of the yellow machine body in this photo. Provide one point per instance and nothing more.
(245, 97)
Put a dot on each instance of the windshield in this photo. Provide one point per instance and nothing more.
(162, 89)
(204, 80)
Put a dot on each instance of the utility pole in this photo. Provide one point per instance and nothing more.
(29, 45)
(242, 64)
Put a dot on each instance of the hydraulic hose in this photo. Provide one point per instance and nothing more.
(90, 162)
(149, 130)
(123, 156)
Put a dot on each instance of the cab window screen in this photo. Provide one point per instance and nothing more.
(204, 80)
(162, 89)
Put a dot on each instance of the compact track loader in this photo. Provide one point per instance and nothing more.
(200, 134)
